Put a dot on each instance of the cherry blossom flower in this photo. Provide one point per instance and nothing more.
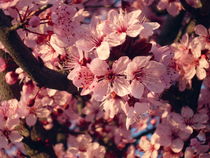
(145, 73)
(172, 134)
(123, 23)
(66, 20)
(196, 121)
(173, 7)
(204, 36)
(113, 104)
(149, 147)
(96, 39)
(135, 110)
(108, 79)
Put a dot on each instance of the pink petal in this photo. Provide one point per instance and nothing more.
(100, 90)
(134, 30)
(98, 67)
(3, 65)
(31, 120)
(120, 65)
(103, 51)
(201, 73)
(187, 112)
(201, 30)
(141, 107)
(144, 144)
(85, 45)
(177, 145)
(137, 89)
(121, 86)
(15, 137)
(3, 141)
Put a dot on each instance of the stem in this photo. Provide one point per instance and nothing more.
(35, 13)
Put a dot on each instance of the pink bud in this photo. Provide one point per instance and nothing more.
(3, 65)
(11, 77)
(34, 21)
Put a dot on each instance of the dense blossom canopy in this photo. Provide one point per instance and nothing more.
(141, 70)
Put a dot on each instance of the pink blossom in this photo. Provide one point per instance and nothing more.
(145, 73)
(172, 134)
(108, 79)
(3, 65)
(4, 4)
(123, 23)
(66, 20)
(173, 7)
(95, 39)
(196, 121)
(113, 104)
(135, 110)
(150, 148)
(189, 60)
(204, 36)
(11, 77)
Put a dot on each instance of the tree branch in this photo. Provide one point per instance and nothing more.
(23, 57)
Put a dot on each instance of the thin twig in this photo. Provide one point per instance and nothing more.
(35, 13)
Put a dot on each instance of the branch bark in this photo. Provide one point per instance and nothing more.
(24, 58)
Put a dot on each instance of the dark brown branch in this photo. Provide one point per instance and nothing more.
(23, 57)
